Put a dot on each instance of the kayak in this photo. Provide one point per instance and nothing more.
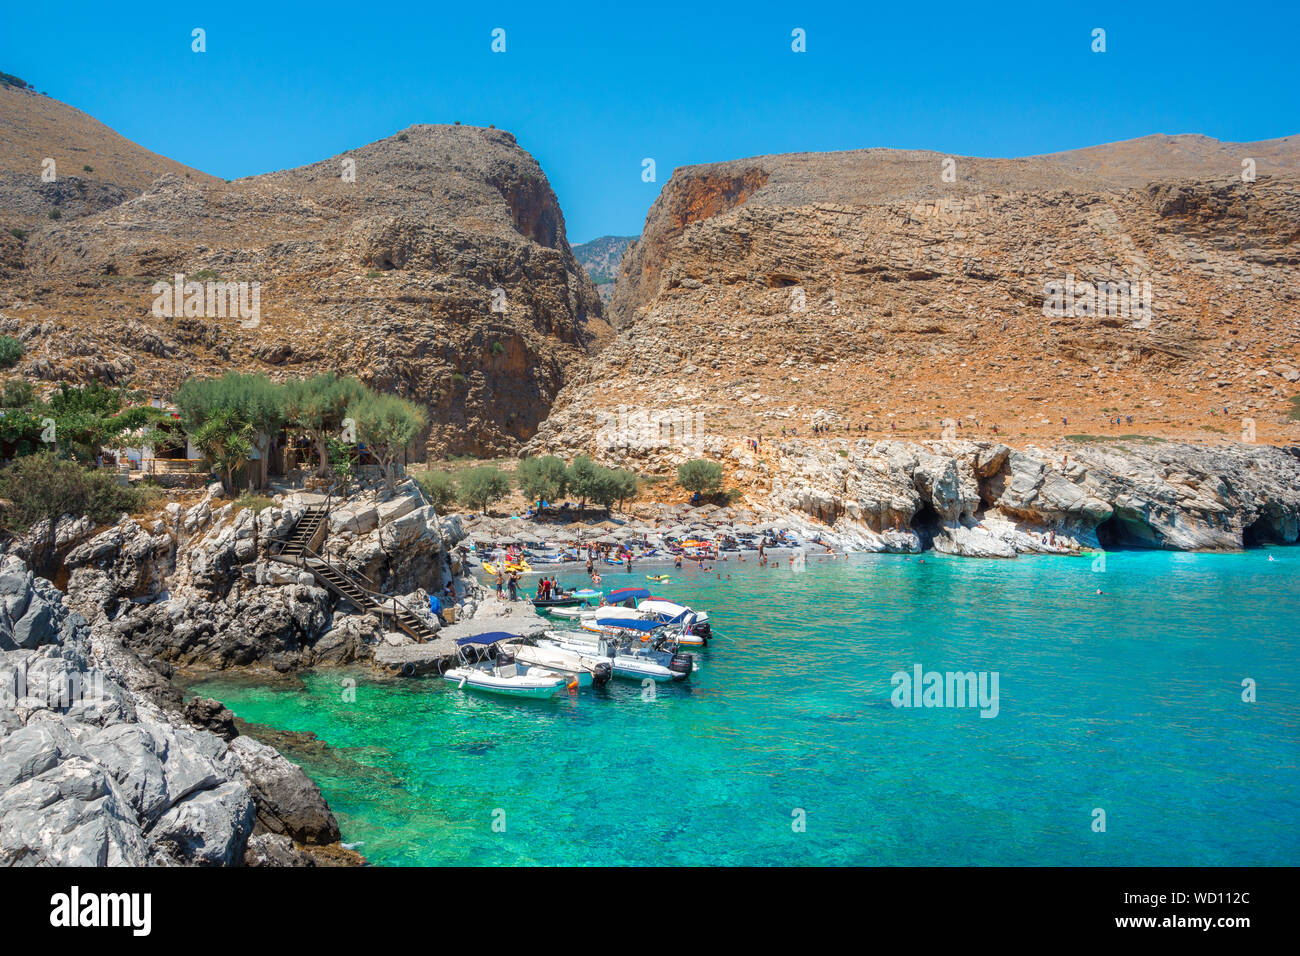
(520, 568)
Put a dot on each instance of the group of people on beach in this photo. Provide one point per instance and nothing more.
(508, 582)
(548, 588)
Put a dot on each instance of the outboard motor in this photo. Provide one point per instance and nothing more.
(693, 626)
(681, 664)
(601, 673)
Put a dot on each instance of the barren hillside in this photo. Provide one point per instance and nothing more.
(433, 263)
(865, 291)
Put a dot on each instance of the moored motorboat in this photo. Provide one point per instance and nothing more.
(546, 604)
(645, 649)
(588, 669)
(482, 664)
(670, 612)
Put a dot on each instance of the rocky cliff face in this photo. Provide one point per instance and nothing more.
(433, 264)
(197, 588)
(864, 288)
(985, 499)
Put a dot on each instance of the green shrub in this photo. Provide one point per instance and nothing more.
(16, 393)
(700, 475)
(19, 234)
(440, 488)
(480, 487)
(55, 214)
(11, 350)
(42, 488)
(87, 169)
(497, 348)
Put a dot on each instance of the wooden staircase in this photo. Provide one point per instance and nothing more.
(300, 549)
(307, 534)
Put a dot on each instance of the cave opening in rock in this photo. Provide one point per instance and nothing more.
(1260, 532)
(1120, 532)
(926, 523)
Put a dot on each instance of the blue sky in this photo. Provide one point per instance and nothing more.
(593, 89)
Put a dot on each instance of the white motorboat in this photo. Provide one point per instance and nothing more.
(633, 645)
(483, 665)
(590, 615)
(697, 632)
(587, 669)
(569, 613)
(694, 632)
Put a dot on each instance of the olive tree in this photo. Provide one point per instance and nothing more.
(386, 424)
(317, 407)
(481, 486)
(700, 476)
(544, 478)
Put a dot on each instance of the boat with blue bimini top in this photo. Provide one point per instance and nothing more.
(484, 663)
(638, 648)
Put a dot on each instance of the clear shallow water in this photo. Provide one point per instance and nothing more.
(1129, 701)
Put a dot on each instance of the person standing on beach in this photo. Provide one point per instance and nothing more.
(514, 587)
(501, 584)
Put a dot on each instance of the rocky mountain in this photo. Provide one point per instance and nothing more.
(433, 264)
(913, 294)
(54, 157)
(601, 258)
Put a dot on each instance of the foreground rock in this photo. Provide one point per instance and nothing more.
(97, 769)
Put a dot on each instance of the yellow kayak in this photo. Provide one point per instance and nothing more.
(521, 568)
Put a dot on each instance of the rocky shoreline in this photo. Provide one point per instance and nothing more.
(104, 761)
(985, 499)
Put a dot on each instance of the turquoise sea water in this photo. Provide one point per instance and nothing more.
(1129, 701)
